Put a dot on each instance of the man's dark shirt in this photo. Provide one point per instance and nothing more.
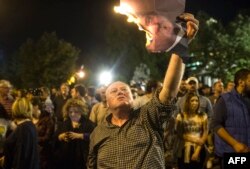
(136, 144)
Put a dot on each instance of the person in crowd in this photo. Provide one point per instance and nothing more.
(192, 129)
(46, 100)
(151, 87)
(36, 109)
(205, 106)
(20, 93)
(218, 89)
(59, 102)
(30, 94)
(6, 101)
(20, 148)
(100, 110)
(91, 99)
(182, 89)
(45, 130)
(231, 121)
(53, 92)
(205, 90)
(230, 86)
(79, 92)
(72, 137)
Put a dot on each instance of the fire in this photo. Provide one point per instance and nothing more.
(125, 9)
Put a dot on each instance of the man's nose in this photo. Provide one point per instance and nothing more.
(120, 92)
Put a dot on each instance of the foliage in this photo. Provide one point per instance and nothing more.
(48, 61)
(219, 51)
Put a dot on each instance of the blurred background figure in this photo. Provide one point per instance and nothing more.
(6, 101)
(100, 110)
(182, 89)
(218, 89)
(91, 99)
(230, 86)
(46, 100)
(45, 129)
(151, 86)
(79, 92)
(59, 102)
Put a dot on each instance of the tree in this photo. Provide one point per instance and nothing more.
(48, 61)
(220, 50)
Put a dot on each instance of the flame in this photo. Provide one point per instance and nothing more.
(127, 10)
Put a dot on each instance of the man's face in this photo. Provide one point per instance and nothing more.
(230, 86)
(118, 95)
(159, 32)
(192, 86)
(219, 87)
(183, 85)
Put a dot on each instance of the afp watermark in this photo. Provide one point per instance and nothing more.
(236, 160)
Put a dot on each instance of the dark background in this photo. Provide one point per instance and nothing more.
(81, 22)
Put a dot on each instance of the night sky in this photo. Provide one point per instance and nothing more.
(81, 22)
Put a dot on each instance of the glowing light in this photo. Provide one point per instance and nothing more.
(105, 78)
(127, 10)
(81, 74)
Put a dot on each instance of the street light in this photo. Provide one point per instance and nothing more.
(77, 76)
(105, 78)
(81, 73)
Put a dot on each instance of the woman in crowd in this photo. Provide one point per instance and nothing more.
(20, 149)
(192, 128)
(45, 130)
(72, 137)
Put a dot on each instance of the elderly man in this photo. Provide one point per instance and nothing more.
(134, 138)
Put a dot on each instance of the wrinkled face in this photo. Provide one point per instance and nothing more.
(159, 32)
(74, 114)
(194, 103)
(118, 95)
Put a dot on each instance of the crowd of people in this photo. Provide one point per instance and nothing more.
(175, 123)
(54, 130)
